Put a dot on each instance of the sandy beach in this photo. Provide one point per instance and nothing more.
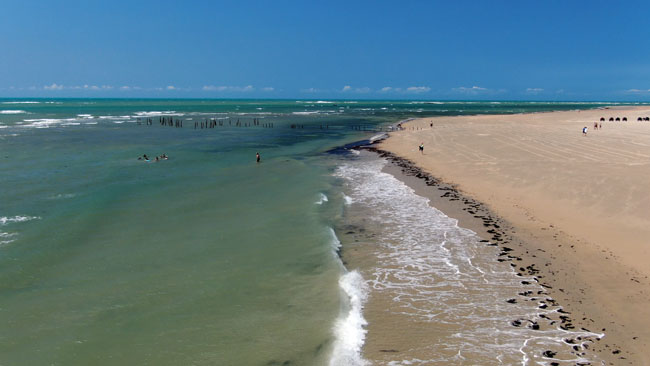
(573, 207)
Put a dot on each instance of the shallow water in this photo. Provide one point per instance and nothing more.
(208, 257)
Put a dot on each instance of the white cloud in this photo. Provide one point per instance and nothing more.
(348, 88)
(638, 91)
(534, 90)
(54, 86)
(310, 90)
(170, 87)
(247, 88)
(472, 91)
(268, 89)
(418, 89)
(386, 89)
(125, 87)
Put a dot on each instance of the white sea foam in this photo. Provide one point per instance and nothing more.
(85, 116)
(8, 220)
(9, 237)
(157, 113)
(62, 196)
(305, 113)
(315, 102)
(322, 198)
(440, 273)
(336, 243)
(45, 122)
(347, 199)
(378, 137)
(21, 102)
(349, 329)
(12, 111)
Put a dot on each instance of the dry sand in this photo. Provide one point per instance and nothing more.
(575, 207)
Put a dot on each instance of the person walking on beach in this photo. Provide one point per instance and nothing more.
(584, 131)
(422, 148)
(257, 157)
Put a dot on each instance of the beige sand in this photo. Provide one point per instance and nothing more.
(581, 204)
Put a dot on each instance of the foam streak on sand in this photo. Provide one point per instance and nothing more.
(440, 288)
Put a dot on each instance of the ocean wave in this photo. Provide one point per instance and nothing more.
(62, 196)
(5, 220)
(85, 116)
(157, 113)
(378, 137)
(21, 102)
(321, 199)
(45, 122)
(6, 238)
(347, 199)
(12, 111)
(349, 330)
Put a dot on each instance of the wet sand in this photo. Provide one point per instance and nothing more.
(572, 210)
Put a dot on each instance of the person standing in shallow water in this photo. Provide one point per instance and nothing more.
(257, 157)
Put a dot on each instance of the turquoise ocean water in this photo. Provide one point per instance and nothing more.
(207, 258)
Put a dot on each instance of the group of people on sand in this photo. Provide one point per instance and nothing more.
(597, 127)
(158, 158)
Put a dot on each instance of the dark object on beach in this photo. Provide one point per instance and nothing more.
(639, 119)
(611, 119)
(646, 119)
(618, 119)
(549, 354)
(511, 301)
(624, 119)
(602, 118)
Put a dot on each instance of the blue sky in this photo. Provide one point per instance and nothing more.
(531, 50)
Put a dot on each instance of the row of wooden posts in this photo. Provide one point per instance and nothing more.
(208, 123)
